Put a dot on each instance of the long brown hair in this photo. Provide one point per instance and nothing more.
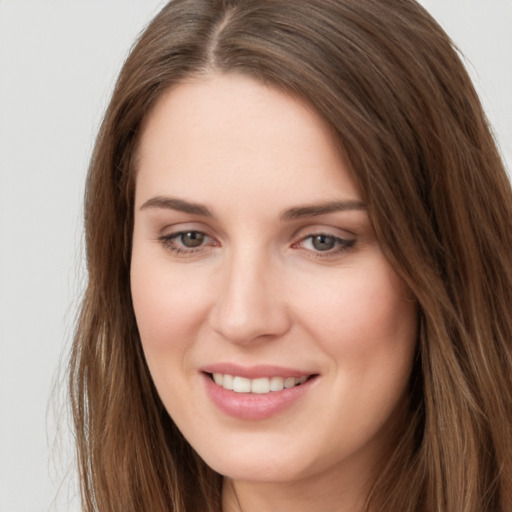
(389, 82)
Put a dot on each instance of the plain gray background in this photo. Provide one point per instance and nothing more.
(58, 62)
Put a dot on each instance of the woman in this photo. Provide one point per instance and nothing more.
(298, 239)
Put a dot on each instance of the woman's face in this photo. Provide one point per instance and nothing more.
(278, 336)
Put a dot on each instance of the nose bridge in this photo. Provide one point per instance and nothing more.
(250, 303)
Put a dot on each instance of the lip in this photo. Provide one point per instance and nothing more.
(253, 406)
(254, 372)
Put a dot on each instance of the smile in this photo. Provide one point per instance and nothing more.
(261, 385)
(259, 393)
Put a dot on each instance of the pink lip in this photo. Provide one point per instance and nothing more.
(253, 406)
(253, 372)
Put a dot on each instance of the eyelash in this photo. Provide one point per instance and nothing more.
(168, 241)
(340, 244)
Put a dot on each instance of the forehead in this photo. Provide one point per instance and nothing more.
(217, 135)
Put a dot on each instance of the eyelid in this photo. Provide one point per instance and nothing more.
(342, 242)
(177, 228)
(347, 242)
(168, 238)
(323, 229)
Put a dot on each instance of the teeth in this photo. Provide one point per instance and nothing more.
(276, 384)
(241, 385)
(289, 382)
(261, 385)
(227, 381)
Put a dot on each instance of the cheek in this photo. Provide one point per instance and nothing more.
(368, 329)
(367, 325)
(359, 310)
(169, 309)
(167, 304)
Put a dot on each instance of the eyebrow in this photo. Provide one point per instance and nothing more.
(316, 210)
(180, 205)
(299, 212)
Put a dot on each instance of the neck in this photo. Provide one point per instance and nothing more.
(322, 494)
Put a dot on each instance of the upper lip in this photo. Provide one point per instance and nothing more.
(254, 371)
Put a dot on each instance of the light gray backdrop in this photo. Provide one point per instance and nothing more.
(58, 61)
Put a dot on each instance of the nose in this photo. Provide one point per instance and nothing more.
(250, 304)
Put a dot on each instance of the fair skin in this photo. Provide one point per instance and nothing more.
(254, 257)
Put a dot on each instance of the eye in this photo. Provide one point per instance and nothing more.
(324, 243)
(186, 241)
(190, 239)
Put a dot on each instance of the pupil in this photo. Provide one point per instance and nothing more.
(323, 242)
(192, 239)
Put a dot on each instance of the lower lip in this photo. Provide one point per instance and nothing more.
(254, 406)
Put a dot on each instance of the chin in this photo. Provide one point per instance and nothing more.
(258, 471)
(257, 463)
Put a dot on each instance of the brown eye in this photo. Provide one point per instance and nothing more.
(323, 242)
(191, 239)
(187, 243)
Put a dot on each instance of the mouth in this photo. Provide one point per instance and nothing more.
(260, 385)
(258, 392)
